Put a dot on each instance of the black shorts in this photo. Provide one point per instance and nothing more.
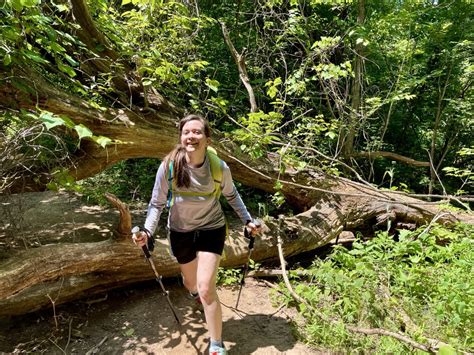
(185, 246)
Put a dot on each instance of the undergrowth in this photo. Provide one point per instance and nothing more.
(233, 276)
(418, 283)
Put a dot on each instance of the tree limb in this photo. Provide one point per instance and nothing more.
(391, 155)
(91, 36)
(240, 62)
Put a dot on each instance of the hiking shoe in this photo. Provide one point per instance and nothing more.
(195, 297)
(217, 350)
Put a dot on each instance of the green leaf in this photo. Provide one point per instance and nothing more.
(129, 332)
(83, 131)
(30, 3)
(57, 47)
(50, 120)
(34, 57)
(446, 349)
(212, 84)
(61, 7)
(7, 59)
(68, 122)
(125, 2)
(331, 134)
(17, 5)
(101, 140)
(67, 69)
(52, 186)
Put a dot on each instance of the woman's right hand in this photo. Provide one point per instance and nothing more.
(140, 238)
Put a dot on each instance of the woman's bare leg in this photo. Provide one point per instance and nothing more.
(189, 272)
(207, 264)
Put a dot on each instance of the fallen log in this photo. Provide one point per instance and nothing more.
(30, 278)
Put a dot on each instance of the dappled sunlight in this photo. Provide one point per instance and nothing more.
(138, 320)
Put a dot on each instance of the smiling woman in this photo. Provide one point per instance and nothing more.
(186, 183)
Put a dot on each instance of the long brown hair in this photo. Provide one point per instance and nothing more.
(178, 154)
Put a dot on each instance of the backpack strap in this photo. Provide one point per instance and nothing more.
(171, 184)
(216, 170)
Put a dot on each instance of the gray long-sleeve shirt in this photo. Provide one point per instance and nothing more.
(189, 213)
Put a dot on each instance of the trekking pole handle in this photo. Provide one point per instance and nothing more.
(249, 236)
(248, 232)
(145, 250)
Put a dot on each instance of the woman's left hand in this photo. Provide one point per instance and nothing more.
(254, 227)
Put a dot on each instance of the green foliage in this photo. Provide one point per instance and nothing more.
(31, 37)
(228, 277)
(301, 62)
(424, 49)
(257, 124)
(130, 180)
(421, 283)
(465, 174)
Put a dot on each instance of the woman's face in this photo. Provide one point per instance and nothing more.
(193, 137)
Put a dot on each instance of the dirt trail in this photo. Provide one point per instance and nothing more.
(135, 320)
(138, 321)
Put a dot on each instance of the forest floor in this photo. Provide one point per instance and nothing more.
(137, 320)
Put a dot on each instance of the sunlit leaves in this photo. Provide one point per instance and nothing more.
(18, 5)
(259, 125)
(51, 120)
(35, 57)
(425, 276)
(83, 131)
(273, 87)
(333, 71)
(66, 69)
(326, 44)
(212, 84)
(101, 140)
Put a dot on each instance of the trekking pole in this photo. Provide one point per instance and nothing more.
(251, 238)
(145, 250)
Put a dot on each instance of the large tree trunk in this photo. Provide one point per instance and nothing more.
(31, 279)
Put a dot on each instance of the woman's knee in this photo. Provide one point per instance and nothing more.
(207, 292)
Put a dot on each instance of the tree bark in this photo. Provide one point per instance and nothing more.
(239, 60)
(391, 155)
(29, 279)
(356, 90)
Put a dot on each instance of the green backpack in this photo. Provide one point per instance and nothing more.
(216, 172)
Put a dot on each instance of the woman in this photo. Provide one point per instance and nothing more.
(186, 184)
